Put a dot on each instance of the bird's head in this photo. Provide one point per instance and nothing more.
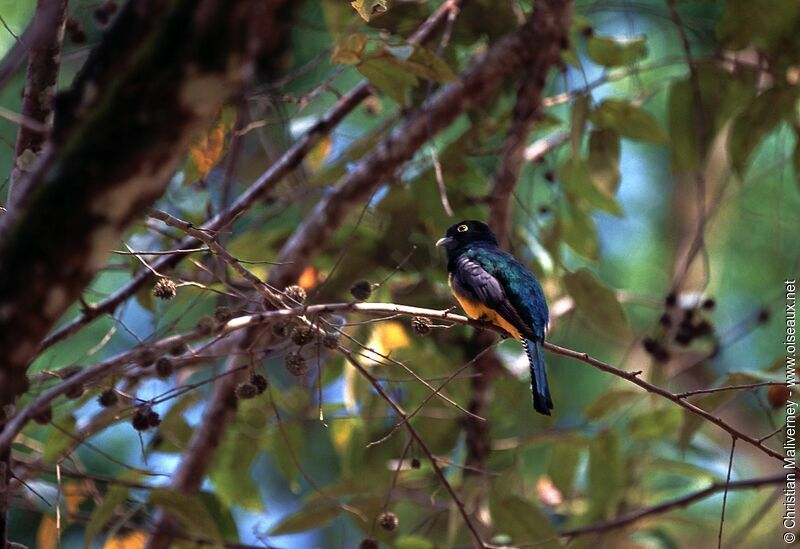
(466, 232)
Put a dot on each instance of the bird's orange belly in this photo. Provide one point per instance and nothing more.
(479, 311)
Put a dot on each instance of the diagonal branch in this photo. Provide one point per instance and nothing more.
(676, 503)
(486, 74)
(290, 160)
(115, 157)
(44, 60)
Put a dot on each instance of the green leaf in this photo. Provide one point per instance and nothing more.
(280, 449)
(349, 49)
(426, 64)
(578, 231)
(628, 120)
(58, 439)
(413, 542)
(187, 509)
(609, 402)
(606, 475)
(388, 77)
(770, 26)
(574, 174)
(756, 121)
(722, 94)
(597, 303)
(579, 115)
(711, 401)
(604, 151)
(305, 519)
(563, 464)
(611, 52)
(655, 424)
(692, 422)
(368, 9)
(230, 473)
(523, 521)
(104, 512)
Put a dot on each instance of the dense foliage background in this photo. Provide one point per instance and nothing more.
(656, 198)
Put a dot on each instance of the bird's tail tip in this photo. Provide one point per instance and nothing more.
(540, 389)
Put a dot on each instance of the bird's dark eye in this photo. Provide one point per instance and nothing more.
(462, 228)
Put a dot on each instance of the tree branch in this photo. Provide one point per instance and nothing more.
(667, 506)
(122, 149)
(44, 61)
(290, 160)
(109, 366)
(507, 56)
(121, 132)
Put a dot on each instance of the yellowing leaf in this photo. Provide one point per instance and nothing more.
(341, 433)
(317, 155)
(308, 279)
(73, 494)
(349, 49)
(367, 8)
(46, 535)
(207, 151)
(131, 540)
(388, 336)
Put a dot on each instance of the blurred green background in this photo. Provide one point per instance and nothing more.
(619, 197)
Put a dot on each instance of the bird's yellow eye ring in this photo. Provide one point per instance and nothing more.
(462, 228)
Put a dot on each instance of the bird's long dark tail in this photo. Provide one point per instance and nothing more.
(542, 402)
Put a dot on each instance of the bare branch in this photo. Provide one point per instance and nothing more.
(121, 154)
(290, 160)
(44, 61)
(507, 56)
(676, 503)
(93, 373)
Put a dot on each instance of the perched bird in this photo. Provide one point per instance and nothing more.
(492, 285)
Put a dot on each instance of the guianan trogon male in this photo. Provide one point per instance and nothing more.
(491, 285)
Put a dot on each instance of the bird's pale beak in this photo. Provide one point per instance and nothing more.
(444, 242)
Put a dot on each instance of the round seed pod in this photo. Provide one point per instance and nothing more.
(302, 335)
(361, 290)
(296, 294)
(164, 289)
(140, 421)
(44, 417)
(421, 325)
(388, 521)
(259, 382)
(330, 340)
(178, 348)
(164, 367)
(108, 398)
(296, 364)
(245, 391)
(153, 419)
